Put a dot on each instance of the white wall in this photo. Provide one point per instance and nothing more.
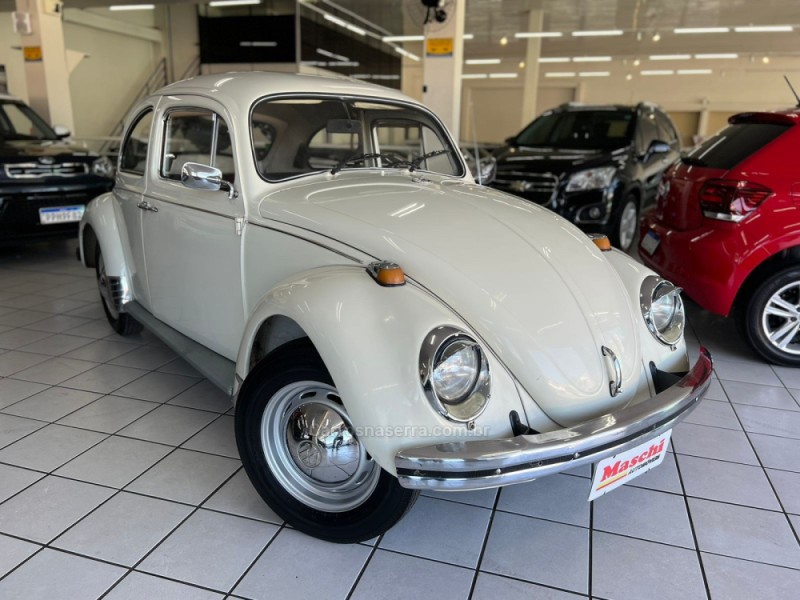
(12, 59)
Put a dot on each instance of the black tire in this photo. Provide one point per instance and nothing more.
(752, 318)
(296, 362)
(625, 240)
(122, 323)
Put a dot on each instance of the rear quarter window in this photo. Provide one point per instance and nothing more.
(735, 143)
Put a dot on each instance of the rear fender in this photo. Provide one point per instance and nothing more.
(369, 338)
(103, 225)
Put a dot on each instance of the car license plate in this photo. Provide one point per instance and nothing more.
(60, 214)
(612, 472)
(650, 242)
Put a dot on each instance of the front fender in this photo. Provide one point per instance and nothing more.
(370, 338)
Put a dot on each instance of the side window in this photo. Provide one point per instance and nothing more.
(199, 136)
(133, 156)
(666, 131)
(648, 130)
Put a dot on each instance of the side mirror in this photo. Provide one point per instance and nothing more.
(656, 147)
(61, 131)
(511, 141)
(202, 177)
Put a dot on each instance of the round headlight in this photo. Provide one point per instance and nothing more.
(454, 373)
(662, 309)
(455, 370)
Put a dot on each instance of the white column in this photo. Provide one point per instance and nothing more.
(442, 72)
(530, 82)
(48, 77)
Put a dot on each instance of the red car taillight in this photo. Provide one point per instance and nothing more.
(731, 200)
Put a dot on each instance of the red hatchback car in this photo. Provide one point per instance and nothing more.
(726, 228)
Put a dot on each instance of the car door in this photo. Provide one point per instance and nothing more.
(193, 237)
(129, 191)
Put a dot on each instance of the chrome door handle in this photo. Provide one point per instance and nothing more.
(145, 205)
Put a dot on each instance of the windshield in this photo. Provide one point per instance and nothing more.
(296, 136)
(19, 122)
(580, 130)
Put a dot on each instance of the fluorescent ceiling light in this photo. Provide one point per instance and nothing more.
(474, 76)
(716, 56)
(258, 44)
(538, 34)
(406, 53)
(403, 38)
(469, 36)
(356, 29)
(592, 59)
(594, 74)
(502, 75)
(483, 61)
(670, 56)
(658, 72)
(694, 71)
(763, 29)
(559, 59)
(132, 7)
(331, 55)
(680, 30)
(233, 2)
(598, 33)
(560, 74)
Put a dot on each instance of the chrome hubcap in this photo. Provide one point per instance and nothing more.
(105, 289)
(780, 320)
(310, 446)
(627, 225)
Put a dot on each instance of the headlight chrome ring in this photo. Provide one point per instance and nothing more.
(454, 373)
(662, 309)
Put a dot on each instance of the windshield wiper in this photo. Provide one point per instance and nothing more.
(414, 164)
(361, 157)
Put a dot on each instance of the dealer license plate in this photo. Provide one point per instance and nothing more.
(60, 214)
(650, 242)
(612, 472)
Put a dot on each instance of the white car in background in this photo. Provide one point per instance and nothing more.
(318, 249)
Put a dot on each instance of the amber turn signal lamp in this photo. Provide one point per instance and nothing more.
(601, 241)
(387, 273)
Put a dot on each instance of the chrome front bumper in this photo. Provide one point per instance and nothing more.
(479, 464)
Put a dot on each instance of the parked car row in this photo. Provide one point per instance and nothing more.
(721, 221)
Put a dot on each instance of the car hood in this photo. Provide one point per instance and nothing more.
(26, 149)
(532, 285)
(556, 161)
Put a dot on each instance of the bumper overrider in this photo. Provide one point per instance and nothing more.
(486, 463)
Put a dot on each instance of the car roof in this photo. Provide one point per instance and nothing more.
(247, 87)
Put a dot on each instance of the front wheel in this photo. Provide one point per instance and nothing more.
(300, 451)
(626, 224)
(771, 319)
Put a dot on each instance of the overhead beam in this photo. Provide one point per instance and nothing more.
(77, 16)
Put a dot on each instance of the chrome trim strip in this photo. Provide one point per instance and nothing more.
(316, 243)
(479, 464)
(197, 208)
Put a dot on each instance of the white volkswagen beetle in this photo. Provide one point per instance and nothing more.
(318, 249)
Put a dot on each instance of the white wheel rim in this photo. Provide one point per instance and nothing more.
(627, 225)
(780, 319)
(312, 450)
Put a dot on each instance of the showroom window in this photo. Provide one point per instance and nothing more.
(198, 136)
(408, 140)
(133, 157)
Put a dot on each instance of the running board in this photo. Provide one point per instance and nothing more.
(217, 369)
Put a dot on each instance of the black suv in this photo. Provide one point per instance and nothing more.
(597, 166)
(45, 182)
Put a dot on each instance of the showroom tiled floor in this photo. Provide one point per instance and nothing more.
(119, 479)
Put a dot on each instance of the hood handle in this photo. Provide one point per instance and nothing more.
(615, 381)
